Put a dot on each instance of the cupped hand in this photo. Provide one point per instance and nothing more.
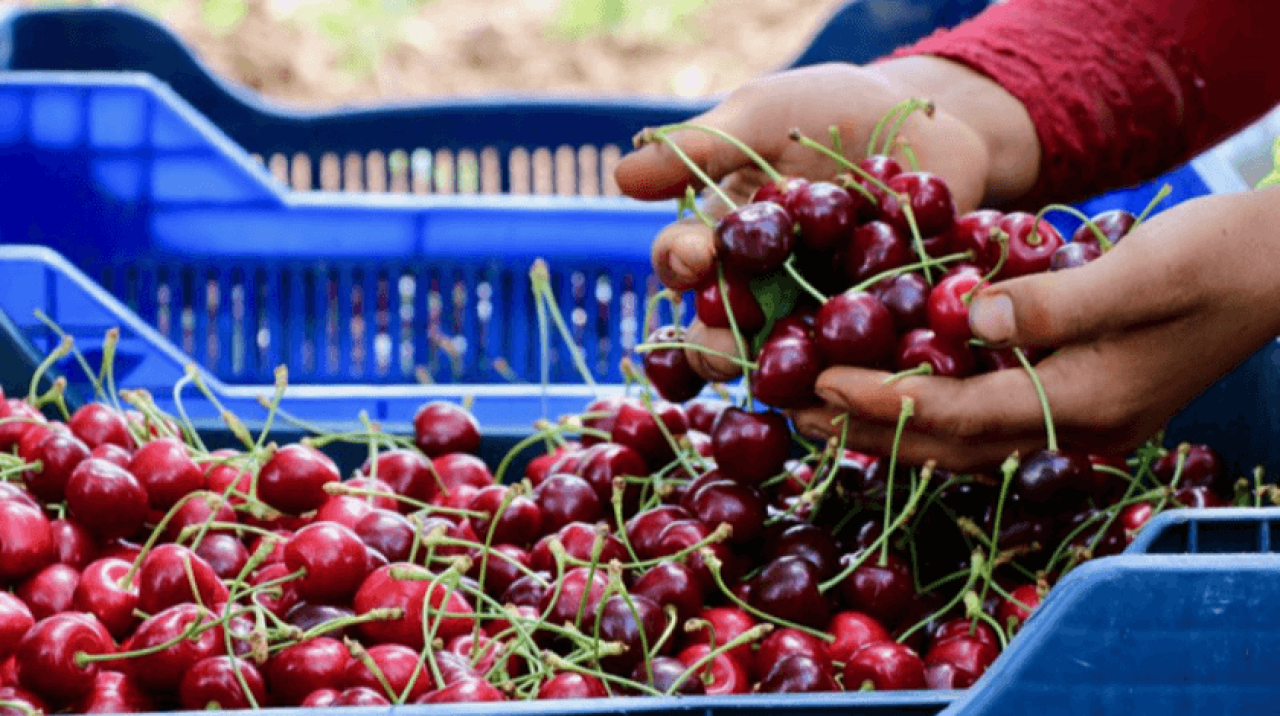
(762, 114)
(1138, 333)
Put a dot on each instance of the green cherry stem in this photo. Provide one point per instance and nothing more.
(908, 409)
(1044, 398)
(1001, 238)
(63, 349)
(790, 266)
(693, 167)
(714, 565)
(98, 392)
(922, 369)
(738, 340)
(907, 108)
(907, 268)
(741, 363)
(1103, 241)
(736, 143)
(540, 277)
(1155, 201)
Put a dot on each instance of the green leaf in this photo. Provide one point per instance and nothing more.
(777, 293)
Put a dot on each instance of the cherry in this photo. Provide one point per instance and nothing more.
(15, 620)
(710, 308)
(456, 470)
(46, 656)
(807, 542)
(579, 540)
(782, 643)
(1114, 225)
(96, 424)
(1050, 482)
(113, 453)
(397, 663)
(360, 696)
(889, 666)
(405, 472)
(963, 626)
(1202, 467)
(579, 587)
(722, 675)
(788, 370)
(876, 247)
(470, 690)
(669, 370)
(218, 681)
(307, 616)
(440, 428)
(599, 414)
(10, 491)
(882, 168)
(948, 311)
(518, 523)
(26, 541)
(973, 232)
(334, 559)
(956, 663)
(825, 213)
(197, 511)
(59, 453)
(787, 589)
(113, 692)
(644, 529)
(755, 238)
(732, 503)
(1133, 517)
(166, 472)
(750, 447)
(50, 590)
(572, 685)
(906, 295)
(480, 654)
(387, 531)
(799, 674)
(74, 545)
(293, 479)
(322, 698)
(1028, 254)
(528, 590)
(637, 630)
(502, 568)
(702, 413)
(1012, 614)
(1198, 498)
(637, 428)
(303, 668)
(1073, 255)
(852, 631)
(670, 676)
(993, 359)
(854, 329)
(930, 199)
(167, 575)
(672, 583)
(799, 477)
(945, 356)
(383, 590)
(880, 590)
(566, 498)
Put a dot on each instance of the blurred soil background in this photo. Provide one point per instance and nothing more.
(328, 53)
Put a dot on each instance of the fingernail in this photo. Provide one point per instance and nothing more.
(991, 319)
(829, 396)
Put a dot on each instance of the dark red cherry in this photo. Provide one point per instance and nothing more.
(578, 599)
(948, 312)
(956, 663)
(46, 656)
(755, 238)
(672, 583)
(907, 298)
(300, 669)
(15, 620)
(1031, 245)
(440, 428)
(106, 499)
(406, 472)
(733, 503)
(1198, 498)
(637, 428)
(799, 674)
(221, 680)
(96, 423)
(973, 232)
(880, 590)
(825, 212)
(781, 192)
(1013, 613)
(50, 590)
(669, 370)
(1114, 224)
(59, 453)
(645, 528)
(782, 643)
(855, 329)
(334, 559)
(166, 472)
(946, 357)
(787, 588)
(1073, 255)
(887, 666)
(788, 370)
(852, 631)
(293, 479)
(876, 247)
(750, 447)
(807, 542)
(1051, 482)
(930, 199)
(168, 575)
(1202, 467)
(709, 304)
(519, 522)
(882, 168)
(566, 498)
(702, 412)
(637, 623)
(572, 685)
(26, 541)
(669, 676)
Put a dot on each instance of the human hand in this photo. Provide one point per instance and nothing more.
(761, 114)
(1139, 332)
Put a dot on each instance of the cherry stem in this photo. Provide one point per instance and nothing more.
(1044, 398)
(1183, 450)
(597, 547)
(681, 457)
(358, 652)
(907, 268)
(693, 167)
(979, 615)
(1103, 242)
(430, 628)
(108, 365)
(338, 488)
(977, 565)
(540, 277)
(195, 628)
(508, 497)
(905, 110)
(21, 707)
(738, 340)
(1112, 513)
(189, 427)
(1155, 200)
(836, 142)
(738, 144)
(63, 349)
(690, 202)
(1008, 469)
(281, 382)
(925, 475)
(618, 490)
(84, 364)
(908, 409)
(518, 448)
(664, 345)
(790, 266)
(713, 564)
(155, 535)
(1001, 238)
(555, 661)
(925, 368)
(755, 633)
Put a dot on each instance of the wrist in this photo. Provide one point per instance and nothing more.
(997, 119)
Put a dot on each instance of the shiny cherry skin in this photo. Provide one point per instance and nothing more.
(787, 588)
(1114, 224)
(220, 680)
(727, 623)
(46, 656)
(733, 503)
(166, 577)
(672, 583)
(947, 310)
(930, 200)
(907, 298)
(887, 665)
(826, 214)
(303, 668)
(645, 528)
(114, 692)
(1202, 467)
(15, 620)
(406, 472)
(334, 559)
(563, 498)
(876, 247)
(879, 590)
(637, 428)
(709, 304)
(668, 369)
(1031, 245)
(166, 472)
(1073, 255)
(389, 532)
(440, 428)
(397, 664)
(799, 674)
(956, 663)
(669, 676)
(74, 546)
(727, 676)
(572, 685)
(973, 232)
(465, 690)
(882, 168)
(96, 424)
(852, 631)
(26, 541)
(101, 591)
(50, 590)
(606, 461)
(1013, 613)
(293, 479)
(750, 447)
(106, 499)
(788, 370)
(855, 329)
(1051, 482)
(519, 522)
(579, 585)
(781, 643)
(755, 238)
(637, 626)
(59, 453)
(945, 357)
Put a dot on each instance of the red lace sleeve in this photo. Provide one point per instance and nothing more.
(1121, 90)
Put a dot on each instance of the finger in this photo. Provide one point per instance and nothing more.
(914, 448)
(714, 368)
(683, 254)
(655, 171)
(1136, 283)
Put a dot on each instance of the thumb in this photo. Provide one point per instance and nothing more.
(1128, 286)
(654, 171)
